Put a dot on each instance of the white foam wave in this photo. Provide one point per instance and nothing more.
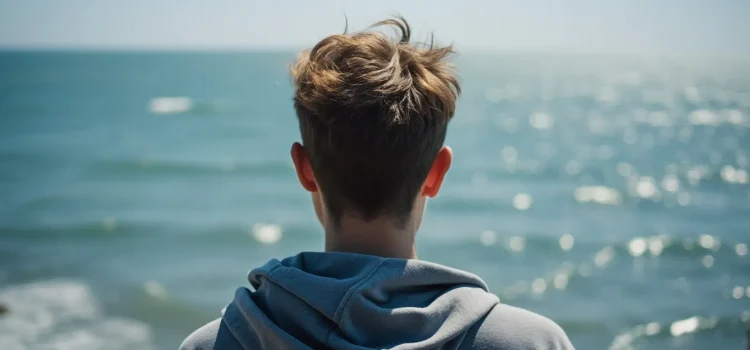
(677, 328)
(61, 315)
(625, 340)
(170, 105)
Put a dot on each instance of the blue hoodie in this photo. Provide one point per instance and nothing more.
(352, 301)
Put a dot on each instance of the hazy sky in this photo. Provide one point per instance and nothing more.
(634, 26)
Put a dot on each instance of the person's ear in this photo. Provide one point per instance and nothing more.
(437, 173)
(303, 168)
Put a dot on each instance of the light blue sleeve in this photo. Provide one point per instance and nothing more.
(511, 328)
(203, 338)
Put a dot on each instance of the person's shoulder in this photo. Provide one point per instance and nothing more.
(202, 338)
(512, 328)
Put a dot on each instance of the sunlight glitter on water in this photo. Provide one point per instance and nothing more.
(155, 290)
(516, 243)
(487, 238)
(170, 105)
(709, 242)
(604, 257)
(741, 249)
(655, 245)
(566, 242)
(637, 246)
(266, 233)
(734, 176)
(597, 194)
(522, 201)
(691, 325)
(735, 117)
(538, 286)
(653, 328)
(625, 340)
(681, 327)
(738, 292)
(677, 328)
(704, 117)
(670, 183)
(646, 188)
(541, 121)
(560, 281)
(695, 174)
(588, 158)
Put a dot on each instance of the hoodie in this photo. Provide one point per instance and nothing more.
(352, 301)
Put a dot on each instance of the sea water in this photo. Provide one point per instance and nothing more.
(608, 193)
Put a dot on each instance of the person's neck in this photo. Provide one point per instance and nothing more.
(379, 237)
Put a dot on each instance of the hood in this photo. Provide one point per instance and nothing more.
(352, 301)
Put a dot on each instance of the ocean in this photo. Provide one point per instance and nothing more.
(609, 193)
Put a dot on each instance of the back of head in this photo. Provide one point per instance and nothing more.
(373, 113)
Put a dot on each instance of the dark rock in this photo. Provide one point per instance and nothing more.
(3, 309)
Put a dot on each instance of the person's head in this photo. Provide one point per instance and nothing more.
(373, 113)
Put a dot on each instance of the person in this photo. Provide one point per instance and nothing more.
(373, 113)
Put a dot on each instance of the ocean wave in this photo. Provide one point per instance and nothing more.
(172, 168)
(680, 328)
(130, 230)
(176, 105)
(170, 105)
(660, 245)
(702, 249)
(61, 315)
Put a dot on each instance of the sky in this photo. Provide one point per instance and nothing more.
(717, 27)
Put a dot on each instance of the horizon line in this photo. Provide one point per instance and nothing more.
(295, 49)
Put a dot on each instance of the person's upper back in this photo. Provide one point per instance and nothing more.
(351, 301)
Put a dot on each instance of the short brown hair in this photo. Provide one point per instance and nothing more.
(373, 114)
